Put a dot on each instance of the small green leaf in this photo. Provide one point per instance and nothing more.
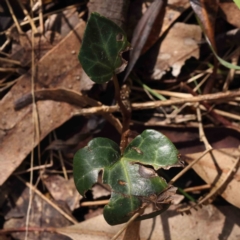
(90, 160)
(102, 46)
(130, 176)
(152, 148)
(121, 208)
(237, 2)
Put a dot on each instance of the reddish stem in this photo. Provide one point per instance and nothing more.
(126, 114)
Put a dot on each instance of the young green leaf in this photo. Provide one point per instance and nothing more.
(152, 148)
(89, 161)
(102, 46)
(130, 176)
(237, 2)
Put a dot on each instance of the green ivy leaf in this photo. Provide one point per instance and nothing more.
(152, 148)
(102, 46)
(131, 179)
(98, 154)
(237, 2)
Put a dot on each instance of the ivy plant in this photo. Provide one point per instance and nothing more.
(130, 172)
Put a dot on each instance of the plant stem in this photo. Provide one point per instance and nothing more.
(126, 114)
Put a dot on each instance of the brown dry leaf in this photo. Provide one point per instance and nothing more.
(69, 96)
(153, 28)
(231, 13)
(142, 31)
(21, 49)
(214, 167)
(99, 190)
(180, 44)
(152, 25)
(62, 22)
(115, 10)
(207, 13)
(132, 231)
(59, 95)
(62, 190)
(173, 10)
(208, 223)
(42, 214)
(58, 68)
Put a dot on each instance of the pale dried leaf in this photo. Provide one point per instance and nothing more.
(214, 167)
(132, 231)
(115, 10)
(58, 68)
(180, 44)
(62, 190)
(62, 22)
(42, 214)
(142, 31)
(173, 10)
(206, 11)
(99, 191)
(231, 13)
(209, 222)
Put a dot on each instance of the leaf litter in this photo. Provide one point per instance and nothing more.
(16, 133)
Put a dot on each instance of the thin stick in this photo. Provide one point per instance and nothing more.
(188, 167)
(51, 13)
(215, 190)
(202, 135)
(202, 82)
(71, 219)
(197, 188)
(61, 159)
(232, 71)
(5, 54)
(166, 93)
(33, 141)
(34, 29)
(7, 60)
(94, 203)
(14, 17)
(225, 114)
(8, 69)
(41, 23)
(156, 104)
(4, 45)
(41, 167)
(217, 118)
(36, 128)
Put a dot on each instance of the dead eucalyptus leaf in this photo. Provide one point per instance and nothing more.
(214, 167)
(142, 31)
(208, 223)
(180, 44)
(173, 10)
(58, 68)
(62, 190)
(206, 11)
(231, 13)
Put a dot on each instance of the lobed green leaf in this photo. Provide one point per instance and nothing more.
(102, 46)
(90, 160)
(131, 176)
